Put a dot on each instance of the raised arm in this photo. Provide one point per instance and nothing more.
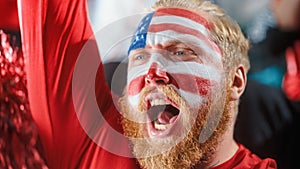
(62, 64)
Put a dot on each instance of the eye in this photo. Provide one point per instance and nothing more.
(140, 57)
(183, 54)
(180, 53)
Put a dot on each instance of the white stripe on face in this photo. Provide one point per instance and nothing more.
(170, 35)
(192, 68)
(180, 25)
(179, 21)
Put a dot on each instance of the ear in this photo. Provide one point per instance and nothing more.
(239, 83)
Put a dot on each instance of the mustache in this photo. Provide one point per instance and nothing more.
(170, 91)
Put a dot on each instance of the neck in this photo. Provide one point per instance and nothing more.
(226, 148)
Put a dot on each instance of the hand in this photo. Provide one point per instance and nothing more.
(291, 80)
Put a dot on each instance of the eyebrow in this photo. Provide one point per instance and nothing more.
(173, 43)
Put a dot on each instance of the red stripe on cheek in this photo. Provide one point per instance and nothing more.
(136, 85)
(192, 84)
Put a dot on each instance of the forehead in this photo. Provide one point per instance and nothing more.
(169, 24)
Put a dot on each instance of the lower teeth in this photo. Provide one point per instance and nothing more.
(161, 126)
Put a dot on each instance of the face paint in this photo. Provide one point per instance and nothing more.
(191, 79)
(172, 22)
(194, 77)
(173, 70)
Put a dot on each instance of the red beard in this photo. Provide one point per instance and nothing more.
(195, 146)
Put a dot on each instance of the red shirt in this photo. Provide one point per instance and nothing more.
(54, 33)
(244, 159)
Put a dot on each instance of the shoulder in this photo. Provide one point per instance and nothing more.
(244, 158)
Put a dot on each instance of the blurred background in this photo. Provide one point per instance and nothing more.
(268, 120)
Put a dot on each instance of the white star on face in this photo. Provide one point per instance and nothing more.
(142, 28)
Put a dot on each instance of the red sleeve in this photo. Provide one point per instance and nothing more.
(9, 15)
(291, 80)
(61, 63)
(243, 158)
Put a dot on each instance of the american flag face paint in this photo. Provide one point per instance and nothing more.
(172, 45)
(172, 23)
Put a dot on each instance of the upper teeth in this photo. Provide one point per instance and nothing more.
(156, 102)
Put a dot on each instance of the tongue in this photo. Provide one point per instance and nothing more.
(166, 118)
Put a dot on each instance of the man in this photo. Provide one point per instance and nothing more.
(187, 69)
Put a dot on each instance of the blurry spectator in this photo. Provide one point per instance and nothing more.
(287, 13)
(291, 81)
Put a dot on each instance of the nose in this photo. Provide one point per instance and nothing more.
(156, 75)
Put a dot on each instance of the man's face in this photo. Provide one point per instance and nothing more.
(176, 91)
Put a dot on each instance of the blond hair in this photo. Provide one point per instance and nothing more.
(225, 32)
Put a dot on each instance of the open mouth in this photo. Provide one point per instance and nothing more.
(163, 115)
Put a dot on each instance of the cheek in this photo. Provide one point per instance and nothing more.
(195, 90)
(193, 84)
(198, 85)
(197, 78)
(135, 86)
(133, 101)
(192, 88)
